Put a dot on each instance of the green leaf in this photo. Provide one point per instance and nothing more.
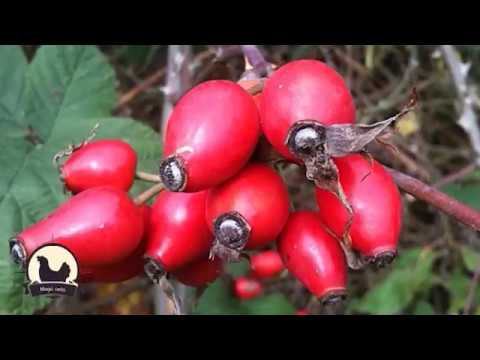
(238, 269)
(13, 67)
(137, 54)
(458, 286)
(409, 276)
(273, 304)
(68, 84)
(467, 191)
(424, 308)
(218, 300)
(68, 90)
(471, 258)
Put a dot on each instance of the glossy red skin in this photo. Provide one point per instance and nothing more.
(100, 163)
(146, 211)
(214, 128)
(124, 270)
(246, 288)
(120, 271)
(376, 203)
(266, 264)
(178, 233)
(300, 90)
(99, 226)
(200, 273)
(259, 194)
(302, 312)
(312, 255)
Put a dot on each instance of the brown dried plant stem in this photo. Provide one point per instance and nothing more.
(141, 87)
(461, 212)
(148, 194)
(140, 175)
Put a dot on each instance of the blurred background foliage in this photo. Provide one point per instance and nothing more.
(439, 260)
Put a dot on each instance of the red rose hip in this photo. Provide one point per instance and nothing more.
(124, 270)
(248, 211)
(296, 97)
(211, 134)
(100, 163)
(266, 264)
(302, 312)
(99, 226)
(121, 271)
(178, 233)
(200, 273)
(246, 288)
(377, 208)
(314, 257)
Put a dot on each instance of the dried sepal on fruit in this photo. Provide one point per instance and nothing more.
(377, 206)
(317, 145)
(72, 147)
(247, 212)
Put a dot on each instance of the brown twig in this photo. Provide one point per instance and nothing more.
(168, 297)
(410, 164)
(256, 65)
(461, 212)
(220, 53)
(141, 87)
(469, 303)
(458, 175)
(140, 175)
(148, 194)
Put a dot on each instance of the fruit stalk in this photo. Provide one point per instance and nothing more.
(140, 175)
(148, 194)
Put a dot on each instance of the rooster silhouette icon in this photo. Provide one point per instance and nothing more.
(48, 275)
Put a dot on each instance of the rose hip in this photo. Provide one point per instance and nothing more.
(376, 204)
(313, 256)
(210, 136)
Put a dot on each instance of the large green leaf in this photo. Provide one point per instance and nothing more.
(68, 90)
(410, 275)
(218, 300)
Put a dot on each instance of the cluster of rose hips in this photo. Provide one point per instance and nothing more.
(221, 203)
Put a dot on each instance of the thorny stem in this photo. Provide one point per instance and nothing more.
(140, 175)
(179, 78)
(461, 212)
(148, 194)
(257, 66)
